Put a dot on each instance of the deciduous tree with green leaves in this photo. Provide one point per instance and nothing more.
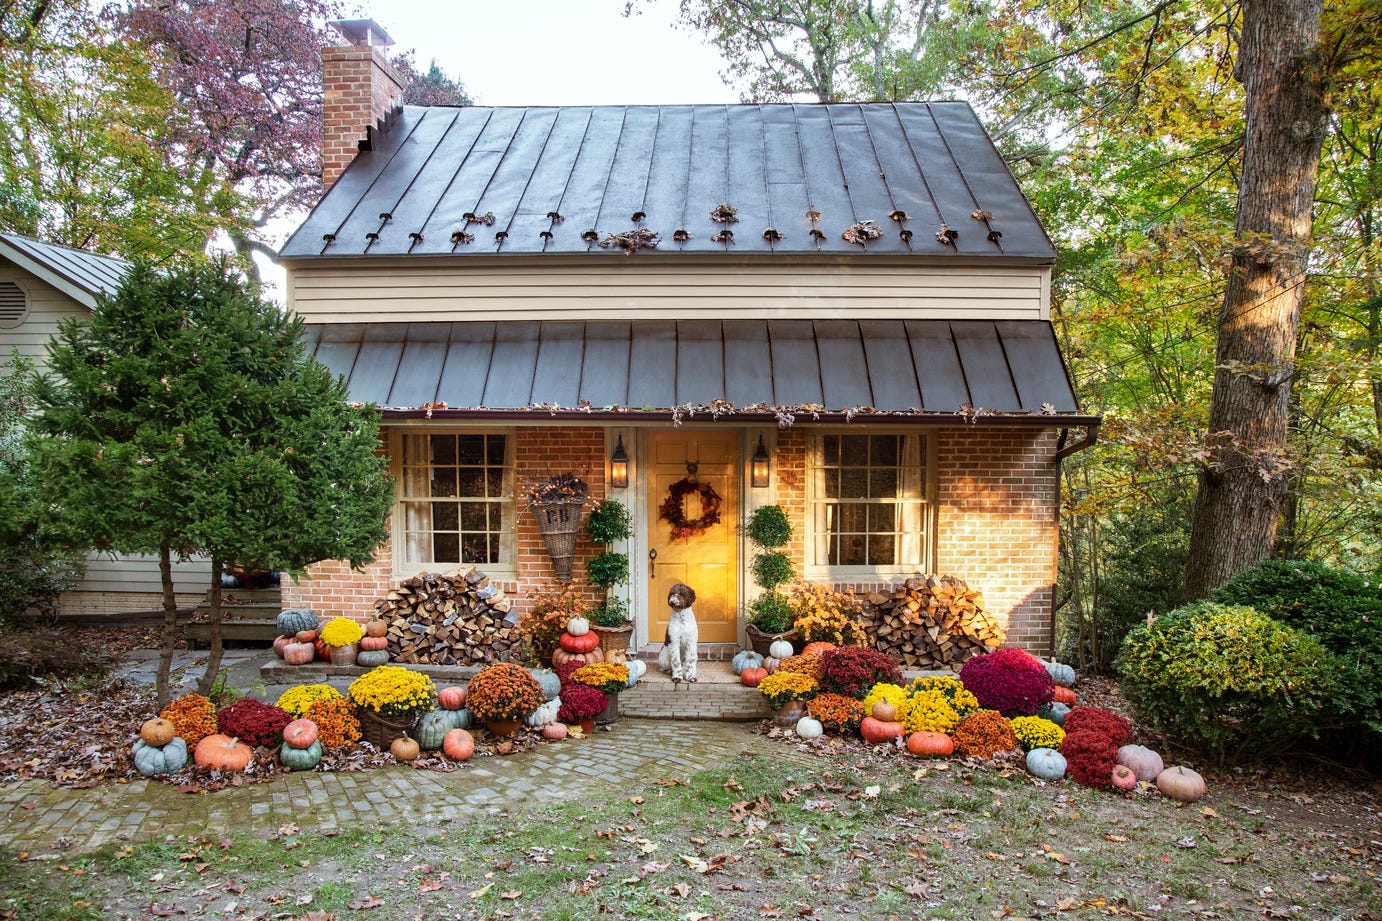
(185, 417)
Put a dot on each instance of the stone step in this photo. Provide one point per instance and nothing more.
(232, 630)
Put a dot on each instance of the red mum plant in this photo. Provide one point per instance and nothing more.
(1093, 719)
(253, 722)
(1009, 681)
(565, 670)
(581, 702)
(1089, 757)
(854, 670)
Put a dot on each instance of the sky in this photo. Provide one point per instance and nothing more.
(558, 52)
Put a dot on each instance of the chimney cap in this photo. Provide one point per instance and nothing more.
(362, 32)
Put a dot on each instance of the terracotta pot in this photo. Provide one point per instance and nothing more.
(587, 726)
(344, 655)
(502, 727)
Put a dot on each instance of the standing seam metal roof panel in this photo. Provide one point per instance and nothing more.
(77, 273)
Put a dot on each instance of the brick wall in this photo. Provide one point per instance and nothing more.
(359, 88)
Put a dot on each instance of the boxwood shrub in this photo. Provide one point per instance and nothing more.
(1228, 681)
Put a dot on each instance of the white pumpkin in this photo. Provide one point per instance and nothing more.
(578, 626)
(809, 728)
(780, 649)
(547, 713)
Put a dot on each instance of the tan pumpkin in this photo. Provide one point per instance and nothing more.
(405, 749)
(1181, 784)
(560, 655)
(376, 628)
(554, 731)
(373, 643)
(221, 752)
(299, 653)
(884, 711)
(279, 643)
(452, 698)
(158, 732)
(458, 745)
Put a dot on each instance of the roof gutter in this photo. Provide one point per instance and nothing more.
(1091, 435)
(1023, 420)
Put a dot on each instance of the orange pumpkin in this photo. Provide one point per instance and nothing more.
(299, 653)
(458, 744)
(300, 733)
(876, 730)
(222, 753)
(158, 732)
(817, 648)
(405, 749)
(1064, 696)
(930, 744)
(580, 644)
(884, 711)
(560, 655)
(280, 642)
(452, 698)
(373, 643)
(323, 651)
(307, 636)
(752, 676)
(376, 628)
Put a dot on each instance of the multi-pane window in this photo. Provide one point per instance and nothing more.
(868, 500)
(457, 499)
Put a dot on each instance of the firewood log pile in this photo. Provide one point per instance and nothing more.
(453, 618)
(930, 622)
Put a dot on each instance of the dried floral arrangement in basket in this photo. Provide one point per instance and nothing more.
(559, 489)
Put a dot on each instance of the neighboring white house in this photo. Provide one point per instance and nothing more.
(41, 284)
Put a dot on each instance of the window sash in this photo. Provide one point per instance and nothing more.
(455, 492)
(886, 526)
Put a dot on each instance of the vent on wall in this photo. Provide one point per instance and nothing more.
(14, 305)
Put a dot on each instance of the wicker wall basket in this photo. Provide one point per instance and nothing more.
(380, 731)
(613, 639)
(760, 641)
(559, 524)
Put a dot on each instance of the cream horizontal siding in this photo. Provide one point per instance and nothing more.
(643, 288)
(139, 573)
(47, 305)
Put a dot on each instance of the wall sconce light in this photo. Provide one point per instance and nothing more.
(619, 466)
(759, 476)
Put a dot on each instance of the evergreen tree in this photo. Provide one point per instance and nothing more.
(185, 417)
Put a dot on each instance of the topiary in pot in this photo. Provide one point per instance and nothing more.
(607, 569)
(771, 568)
(1009, 681)
(608, 522)
(769, 526)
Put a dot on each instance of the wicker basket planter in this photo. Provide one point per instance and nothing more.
(760, 641)
(381, 731)
(613, 639)
(559, 524)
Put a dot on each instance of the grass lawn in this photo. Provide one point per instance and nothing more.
(852, 834)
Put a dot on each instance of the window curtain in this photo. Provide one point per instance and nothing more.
(417, 511)
(911, 490)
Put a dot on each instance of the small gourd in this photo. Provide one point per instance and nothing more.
(158, 732)
(579, 643)
(876, 730)
(458, 745)
(1063, 695)
(373, 643)
(544, 714)
(291, 621)
(1061, 674)
(780, 649)
(299, 653)
(300, 733)
(578, 626)
(753, 676)
(372, 658)
(551, 684)
(300, 759)
(1181, 784)
(222, 752)
(554, 731)
(930, 744)
(1046, 763)
(1123, 778)
(809, 728)
(152, 760)
(1055, 711)
(451, 698)
(404, 749)
(432, 728)
(1142, 761)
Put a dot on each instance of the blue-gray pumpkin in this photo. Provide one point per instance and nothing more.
(152, 760)
(294, 620)
(432, 729)
(551, 684)
(372, 657)
(745, 658)
(1061, 674)
(300, 759)
(1046, 763)
(1055, 711)
(460, 719)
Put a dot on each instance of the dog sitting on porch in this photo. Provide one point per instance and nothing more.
(680, 648)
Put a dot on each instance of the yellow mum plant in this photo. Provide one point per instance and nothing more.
(1036, 732)
(883, 690)
(341, 631)
(961, 699)
(781, 687)
(928, 711)
(610, 677)
(390, 690)
(296, 701)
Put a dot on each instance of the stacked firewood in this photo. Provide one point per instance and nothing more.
(453, 618)
(930, 622)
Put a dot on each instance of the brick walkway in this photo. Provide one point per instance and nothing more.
(37, 817)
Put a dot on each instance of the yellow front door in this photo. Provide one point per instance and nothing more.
(708, 561)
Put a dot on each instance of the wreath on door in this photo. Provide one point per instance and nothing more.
(674, 508)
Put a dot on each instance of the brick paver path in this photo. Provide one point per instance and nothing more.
(38, 817)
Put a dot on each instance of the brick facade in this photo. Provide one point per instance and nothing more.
(995, 522)
(359, 89)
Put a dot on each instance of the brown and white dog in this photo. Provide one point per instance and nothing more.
(680, 649)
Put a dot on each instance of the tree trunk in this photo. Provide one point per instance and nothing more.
(170, 626)
(214, 618)
(1243, 482)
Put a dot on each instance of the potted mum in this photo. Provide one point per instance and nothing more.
(607, 677)
(503, 695)
(343, 636)
(580, 705)
(388, 700)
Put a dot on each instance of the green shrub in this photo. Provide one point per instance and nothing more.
(1338, 607)
(772, 569)
(1228, 681)
(611, 612)
(609, 521)
(771, 613)
(769, 527)
(608, 568)
(27, 656)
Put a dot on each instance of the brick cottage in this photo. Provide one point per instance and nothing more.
(857, 295)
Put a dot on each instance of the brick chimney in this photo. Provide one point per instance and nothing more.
(361, 90)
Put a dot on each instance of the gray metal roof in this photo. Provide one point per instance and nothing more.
(79, 274)
(500, 175)
(832, 367)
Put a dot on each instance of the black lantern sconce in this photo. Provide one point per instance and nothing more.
(619, 466)
(759, 474)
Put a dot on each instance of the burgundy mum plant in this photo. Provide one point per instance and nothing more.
(580, 702)
(253, 722)
(854, 670)
(1009, 681)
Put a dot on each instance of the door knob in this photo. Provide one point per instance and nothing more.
(652, 563)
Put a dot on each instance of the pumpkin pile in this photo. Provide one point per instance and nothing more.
(578, 644)
(304, 638)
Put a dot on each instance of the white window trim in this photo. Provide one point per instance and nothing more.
(398, 537)
(823, 573)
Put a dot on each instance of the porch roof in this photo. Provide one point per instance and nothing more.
(1007, 371)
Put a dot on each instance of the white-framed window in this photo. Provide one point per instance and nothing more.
(869, 496)
(456, 500)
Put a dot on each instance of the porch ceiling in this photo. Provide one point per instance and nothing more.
(900, 370)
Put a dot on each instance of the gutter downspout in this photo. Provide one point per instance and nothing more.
(1063, 450)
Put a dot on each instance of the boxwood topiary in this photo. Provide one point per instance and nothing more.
(772, 568)
(769, 526)
(1228, 681)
